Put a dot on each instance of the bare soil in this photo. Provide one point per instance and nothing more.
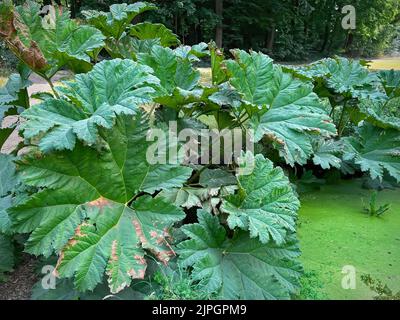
(19, 283)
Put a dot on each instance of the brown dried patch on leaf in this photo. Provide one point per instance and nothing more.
(59, 261)
(154, 235)
(118, 289)
(273, 138)
(235, 53)
(140, 259)
(164, 256)
(114, 250)
(132, 273)
(142, 273)
(99, 203)
(139, 232)
(314, 130)
(137, 275)
(78, 231)
(157, 242)
(166, 233)
(32, 55)
(6, 24)
(71, 243)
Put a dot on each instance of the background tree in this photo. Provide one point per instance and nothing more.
(219, 7)
(287, 30)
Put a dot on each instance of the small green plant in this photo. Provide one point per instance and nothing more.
(373, 209)
(383, 291)
(311, 287)
(177, 286)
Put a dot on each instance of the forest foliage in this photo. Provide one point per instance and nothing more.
(286, 30)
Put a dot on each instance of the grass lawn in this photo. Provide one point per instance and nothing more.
(334, 232)
(376, 64)
(206, 77)
(386, 64)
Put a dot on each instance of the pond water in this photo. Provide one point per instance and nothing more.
(334, 232)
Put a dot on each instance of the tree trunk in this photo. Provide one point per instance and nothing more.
(75, 6)
(271, 39)
(349, 41)
(326, 38)
(219, 8)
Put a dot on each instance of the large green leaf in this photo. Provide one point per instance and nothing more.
(327, 153)
(49, 43)
(217, 69)
(173, 71)
(193, 53)
(344, 76)
(216, 178)
(8, 178)
(290, 109)
(148, 31)
(94, 210)
(375, 150)
(179, 80)
(379, 113)
(391, 82)
(91, 101)
(239, 268)
(129, 47)
(5, 222)
(7, 259)
(9, 93)
(8, 182)
(115, 22)
(253, 75)
(13, 99)
(265, 204)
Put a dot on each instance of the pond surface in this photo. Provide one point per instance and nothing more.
(334, 232)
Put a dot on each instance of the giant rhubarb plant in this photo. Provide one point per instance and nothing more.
(92, 199)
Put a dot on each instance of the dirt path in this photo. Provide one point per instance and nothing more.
(19, 283)
(38, 85)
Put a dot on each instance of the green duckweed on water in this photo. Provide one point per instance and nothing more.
(334, 232)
